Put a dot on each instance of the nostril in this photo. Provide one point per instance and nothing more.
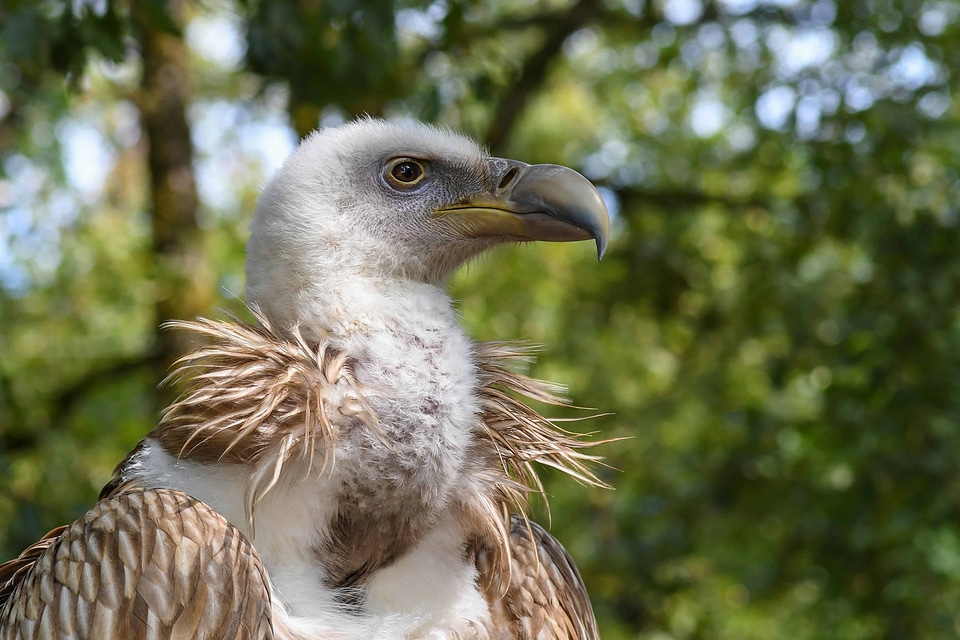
(508, 178)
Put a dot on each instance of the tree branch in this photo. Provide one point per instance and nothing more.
(66, 399)
(23, 436)
(634, 195)
(186, 285)
(534, 70)
(17, 414)
(473, 33)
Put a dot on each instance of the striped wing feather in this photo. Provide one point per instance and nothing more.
(543, 597)
(144, 563)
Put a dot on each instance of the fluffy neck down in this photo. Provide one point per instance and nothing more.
(345, 457)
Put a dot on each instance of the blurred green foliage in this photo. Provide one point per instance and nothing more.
(776, 325)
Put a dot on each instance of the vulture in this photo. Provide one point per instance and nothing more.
(350, 464)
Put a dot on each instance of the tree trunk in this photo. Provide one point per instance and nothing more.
(184, 283)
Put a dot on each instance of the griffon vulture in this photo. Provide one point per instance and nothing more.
(353, 466)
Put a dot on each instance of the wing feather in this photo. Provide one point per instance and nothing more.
(543, 597)
(144, 563)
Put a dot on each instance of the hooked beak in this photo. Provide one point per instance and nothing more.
(532, 202)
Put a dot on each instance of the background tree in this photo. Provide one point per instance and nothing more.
(776, 324)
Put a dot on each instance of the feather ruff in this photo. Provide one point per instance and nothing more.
(257, 397)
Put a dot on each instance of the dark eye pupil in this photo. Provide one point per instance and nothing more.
(406, 171)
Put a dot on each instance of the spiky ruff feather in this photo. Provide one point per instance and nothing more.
(269, 402)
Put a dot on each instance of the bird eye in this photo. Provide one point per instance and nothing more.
(406, 172)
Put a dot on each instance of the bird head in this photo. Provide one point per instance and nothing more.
(402, 200)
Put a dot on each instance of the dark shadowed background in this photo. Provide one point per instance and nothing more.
(776, 325)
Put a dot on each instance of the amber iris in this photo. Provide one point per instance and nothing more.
(407, 172)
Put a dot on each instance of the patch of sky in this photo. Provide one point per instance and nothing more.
(744, 33)
(804, 49)
(711, 36)
(911, 68)
(30, 223)
(934, 104)
(612, 202)
(96, 7)
(581, 43)
(775, 105)
(423, 23)
(823, 13)
(740, 7)
(682, 12)
(233, 139)
(616, 164)
(708, 114)
(218, 39)
(859, 95)
(741, 137)
(88, 157)
(645, 55)
(935, 17)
